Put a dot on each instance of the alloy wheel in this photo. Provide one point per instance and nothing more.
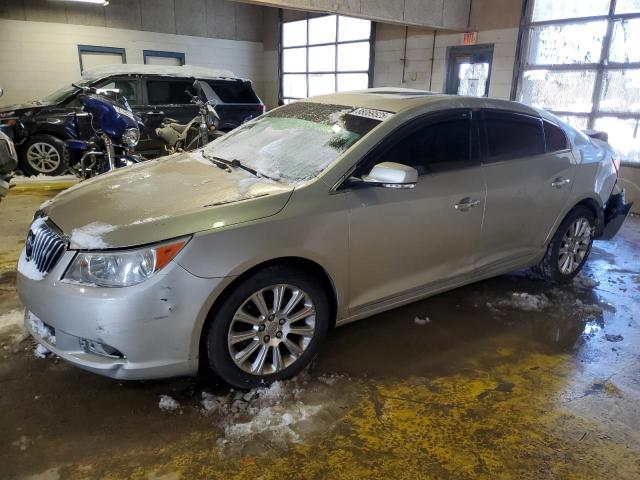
(574, 246)
(43, 157)
(271, 329)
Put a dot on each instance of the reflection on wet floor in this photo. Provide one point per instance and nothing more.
(509, 378)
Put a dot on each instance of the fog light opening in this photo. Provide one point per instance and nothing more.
(102, 349)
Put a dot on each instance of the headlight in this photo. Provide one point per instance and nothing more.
(131, 137)
(121, 269)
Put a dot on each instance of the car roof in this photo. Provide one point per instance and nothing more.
(397, 100)
(183, 71)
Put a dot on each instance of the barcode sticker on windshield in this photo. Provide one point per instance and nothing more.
(371, 113)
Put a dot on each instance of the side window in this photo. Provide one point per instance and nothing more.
(554, 137)
(441, 146)
(512, 135)
(233, 91)
(125, 87)
(166, 92)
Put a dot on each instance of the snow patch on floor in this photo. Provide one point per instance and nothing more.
(23, 180)
(11, 320)
(168, 404)
(41, 351)
(522, 301)
(283, 413)
(421, 321)
(89, 237)
(583, 281)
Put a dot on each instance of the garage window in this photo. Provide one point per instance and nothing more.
(90, 56)
(324, 54)
(580, 60)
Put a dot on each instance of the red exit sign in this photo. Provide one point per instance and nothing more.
(470, 38)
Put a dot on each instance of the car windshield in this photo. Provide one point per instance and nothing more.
(63, 93)
(297, 141)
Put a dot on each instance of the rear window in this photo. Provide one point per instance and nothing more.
(166, 92)
(511, 136)
(555, 138)
(233, 91)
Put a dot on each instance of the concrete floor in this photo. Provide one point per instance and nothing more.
(489, 387)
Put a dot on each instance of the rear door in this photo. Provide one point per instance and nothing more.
(164, 98)
(529, 179)
(403, 240)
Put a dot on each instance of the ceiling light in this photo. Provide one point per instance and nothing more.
(104, 3)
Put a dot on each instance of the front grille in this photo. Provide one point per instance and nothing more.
(44, 246)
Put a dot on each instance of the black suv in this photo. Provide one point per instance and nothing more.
(39, 129)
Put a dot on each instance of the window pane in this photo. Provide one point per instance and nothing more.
(569, 43)
(162, 92)
(554, 138)
(294, 86)
(628, 6)
(231, 91)
(473, 79)
(624, 136)
(294, 33)
(352, 81)
(126, 88)
(353, 56)
(322, 30)
(294, 60)
(625, 41)
(620, 91)
(439, 147)
(353, 29)
(322, 59)
(319, 84)
(579, 123)
(554, 90)
(555, 9)
(512, 136)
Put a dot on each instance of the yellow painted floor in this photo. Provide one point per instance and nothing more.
(486, 388)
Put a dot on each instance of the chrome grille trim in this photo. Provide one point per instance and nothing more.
(44, 247)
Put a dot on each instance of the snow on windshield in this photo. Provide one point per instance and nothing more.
(293, 143)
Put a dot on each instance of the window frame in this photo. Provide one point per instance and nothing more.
(484, 136)
(160, 53)
(99, 49)
(309, 16)
(368, 160)
(601, 67)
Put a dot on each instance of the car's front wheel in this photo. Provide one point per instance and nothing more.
(269, 328)
(570, 246)
(44, 155)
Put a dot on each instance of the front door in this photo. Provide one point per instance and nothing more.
(469, 70)
(527, 187)
(165, 98)
(403, 240)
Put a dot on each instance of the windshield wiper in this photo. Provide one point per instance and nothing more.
(235, 163)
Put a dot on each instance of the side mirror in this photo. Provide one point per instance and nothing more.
(392, 175)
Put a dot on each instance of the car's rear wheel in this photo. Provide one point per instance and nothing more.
(269, 328)
(570, 247)
(44, 155)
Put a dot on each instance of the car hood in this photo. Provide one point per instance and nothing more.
(161, 199)
(19, 107)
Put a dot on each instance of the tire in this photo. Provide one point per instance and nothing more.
(560, 270)
(269, 333)
(44, 155)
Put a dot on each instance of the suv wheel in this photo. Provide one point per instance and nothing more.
(269, 328)
(44, 155)
(570, 247)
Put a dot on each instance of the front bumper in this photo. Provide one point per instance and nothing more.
(615, 214)
(154, 325)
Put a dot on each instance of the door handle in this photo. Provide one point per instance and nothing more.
(466, 204)
(560, 182)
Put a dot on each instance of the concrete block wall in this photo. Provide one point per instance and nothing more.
(36, 58)
(200, 18)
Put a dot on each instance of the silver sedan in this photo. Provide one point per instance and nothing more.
(240, 257)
